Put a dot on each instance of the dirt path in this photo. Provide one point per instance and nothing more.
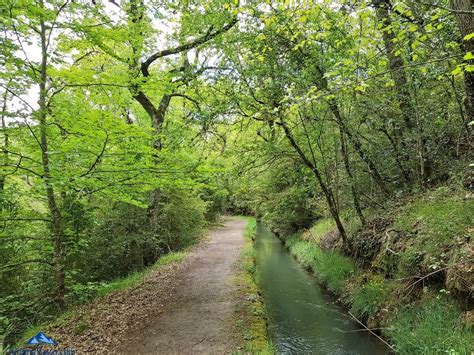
(184, 307)
(198, 317)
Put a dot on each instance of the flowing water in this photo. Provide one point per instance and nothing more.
(302, 317)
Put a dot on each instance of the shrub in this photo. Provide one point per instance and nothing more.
(290, 209)
(430, 326)
(250, 228)
(181, 219)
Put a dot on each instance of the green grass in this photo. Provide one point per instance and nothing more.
(136, 278)
(250, 316)
(436, 222)
(430, 326)
(305, 252)
(321, 228)
(332, 268)
(250, 228)
(367, 299)
(34, 329)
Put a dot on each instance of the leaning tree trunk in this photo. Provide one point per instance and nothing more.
(353, 139)
(327, 191)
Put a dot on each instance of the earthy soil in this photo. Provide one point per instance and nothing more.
(184, 307)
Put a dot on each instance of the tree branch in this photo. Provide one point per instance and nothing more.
(454, 11)
(190, 45)
(40, 261)
(195, 102)
(99, 156)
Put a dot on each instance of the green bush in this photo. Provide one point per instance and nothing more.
(367, 300)
(181, 218)
(430, 326)
(292, 240)
(290, 209)
(250, 228)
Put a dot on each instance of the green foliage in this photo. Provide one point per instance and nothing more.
(367, 299)
(250, 228)
(430, 326)
(181, 219)
(290, 210)
(77, 172)
(306, 253)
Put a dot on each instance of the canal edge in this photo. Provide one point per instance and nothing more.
(250, 316)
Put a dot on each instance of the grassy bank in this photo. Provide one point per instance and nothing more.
(250, 316)
(406, 274)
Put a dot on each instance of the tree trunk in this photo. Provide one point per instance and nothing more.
(397, 154)
(5, 143)
(328, 194)
(56, 218)
(334, 107)
(373, 170)
(465, 21)
(396, 63)
(347, 166)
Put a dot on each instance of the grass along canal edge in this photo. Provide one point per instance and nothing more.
(409, 297)
(250, 315)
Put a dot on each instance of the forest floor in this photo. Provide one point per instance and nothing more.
(184, 307)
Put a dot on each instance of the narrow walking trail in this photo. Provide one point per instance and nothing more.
(184, 307)
(198, 317)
